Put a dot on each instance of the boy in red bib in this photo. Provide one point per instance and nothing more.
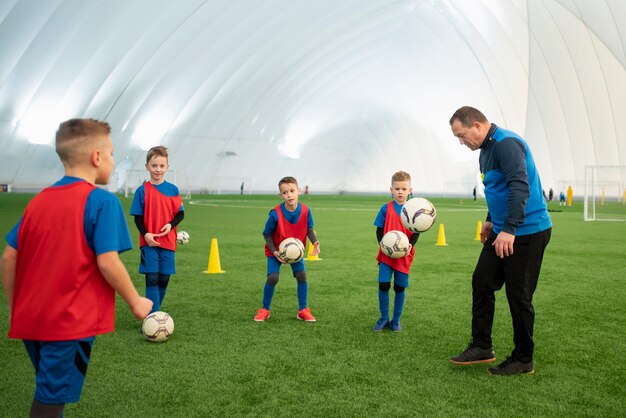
(61, 268)
(157, 209)
(289, 219)
(388, 219)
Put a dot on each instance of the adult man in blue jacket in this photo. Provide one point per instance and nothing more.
(514, 236)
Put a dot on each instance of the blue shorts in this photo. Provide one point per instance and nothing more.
(60, 368)
(384, 275)
(157, 260)
(273, 265)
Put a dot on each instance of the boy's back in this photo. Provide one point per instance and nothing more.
(57, 241)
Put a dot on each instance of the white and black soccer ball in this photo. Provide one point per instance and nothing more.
(291, 250)
(418, 214)
(395, 244)
(158, 327)
(182, 237)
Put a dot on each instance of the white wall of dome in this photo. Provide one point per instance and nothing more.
(337, 94)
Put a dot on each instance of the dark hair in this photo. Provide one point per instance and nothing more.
(160, 151)
(290, 180)
(468, 115)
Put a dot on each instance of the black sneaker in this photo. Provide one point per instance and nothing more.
(512, 366)
(474, 354)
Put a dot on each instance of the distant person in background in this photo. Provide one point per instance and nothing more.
(241, 188)
(514, 236)
(550, 194)
(157, 209)
(388, 219)
(561, 199)
(474, 192)
(61, 267)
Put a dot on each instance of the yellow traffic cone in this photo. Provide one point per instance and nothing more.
(441, 238)
(214, 266)
(479, 227)
(310, 256)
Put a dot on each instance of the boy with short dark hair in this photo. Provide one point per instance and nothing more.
(289, 219)
(157, 209)
(388, 219)
(60, 282)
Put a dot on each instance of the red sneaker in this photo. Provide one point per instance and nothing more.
(262, 314)
(305, 315)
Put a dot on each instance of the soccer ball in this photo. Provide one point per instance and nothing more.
(395, 244)
(291, 250)
(182, 237)
(418, 215)
(158, 326)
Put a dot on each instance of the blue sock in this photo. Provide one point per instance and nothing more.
(303, 292)
(152, 290)
(268, 294)
(383, 304)
(152, 293)
(398, 305)
(164, 280)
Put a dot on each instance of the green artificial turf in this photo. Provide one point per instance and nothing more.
(220, 362)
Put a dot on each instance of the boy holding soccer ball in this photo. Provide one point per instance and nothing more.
(388, 219)
(158, 209)
(289, 219)
(60, 282)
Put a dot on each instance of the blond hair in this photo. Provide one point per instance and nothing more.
(401, 176)
(75, 138)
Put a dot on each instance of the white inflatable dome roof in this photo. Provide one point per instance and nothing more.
(338, 94)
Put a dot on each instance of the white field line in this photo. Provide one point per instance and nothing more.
(227, 204)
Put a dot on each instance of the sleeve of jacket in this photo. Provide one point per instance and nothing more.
(511, 156)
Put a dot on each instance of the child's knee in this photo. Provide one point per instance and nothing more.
(152, 279)
(384, 286)
(300, 276)
(398, 289)
(272, 279)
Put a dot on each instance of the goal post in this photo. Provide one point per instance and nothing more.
(605, 191)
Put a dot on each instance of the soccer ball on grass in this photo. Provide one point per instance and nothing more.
(418, 215)
(395, 244)
(158, 327)
(291, 250)
(182, 237)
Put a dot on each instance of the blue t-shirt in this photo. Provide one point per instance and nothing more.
(291, 217)
(139, 200)
(105, 224)
(382, 214)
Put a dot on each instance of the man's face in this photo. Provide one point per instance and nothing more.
(470, 136)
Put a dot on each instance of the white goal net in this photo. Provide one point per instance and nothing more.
(605, 190)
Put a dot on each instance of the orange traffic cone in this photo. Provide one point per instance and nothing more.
(310, 256)
(479, 227)
(441, 238)
(214, 266)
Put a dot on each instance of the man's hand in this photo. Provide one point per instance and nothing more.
(504, 244)
(485, 230)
